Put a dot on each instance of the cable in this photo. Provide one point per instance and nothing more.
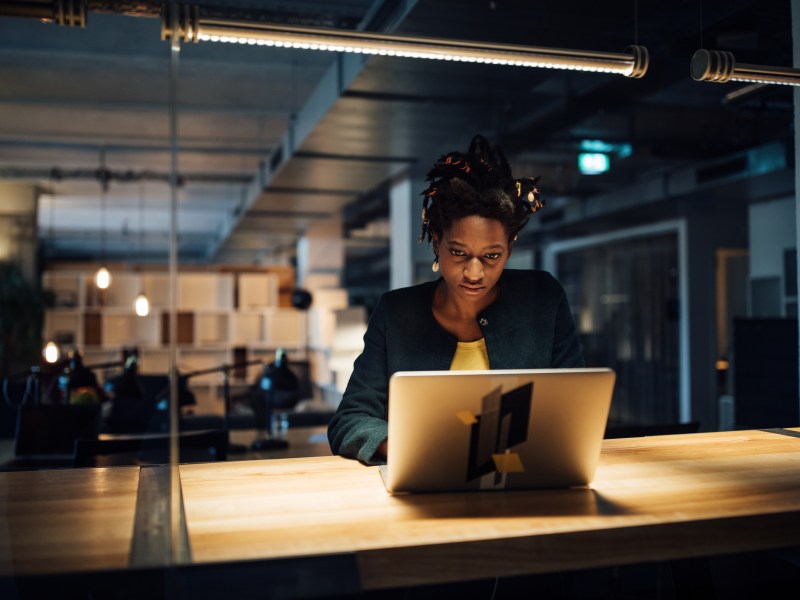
(25, 394)
(494, 590)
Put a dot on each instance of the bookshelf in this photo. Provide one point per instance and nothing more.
(221, 319)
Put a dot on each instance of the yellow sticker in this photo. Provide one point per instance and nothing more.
(508, 463)
(466, 417)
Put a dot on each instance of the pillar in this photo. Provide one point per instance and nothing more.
(18, 228)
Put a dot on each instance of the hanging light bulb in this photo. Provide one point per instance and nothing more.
(142, 305)
(102, 278)
(51, 353)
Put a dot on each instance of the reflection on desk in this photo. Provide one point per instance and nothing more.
(303, 441)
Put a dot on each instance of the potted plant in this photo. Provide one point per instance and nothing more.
(21, 315)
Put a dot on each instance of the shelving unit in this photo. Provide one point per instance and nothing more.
(222, 318)
(247, 327)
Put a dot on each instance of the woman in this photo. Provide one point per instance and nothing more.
(476, 316)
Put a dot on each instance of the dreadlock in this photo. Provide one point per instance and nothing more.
(478, 182)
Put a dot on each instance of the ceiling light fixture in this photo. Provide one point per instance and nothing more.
(195, 28)
(720, 66)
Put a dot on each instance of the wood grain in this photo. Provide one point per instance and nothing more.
(58, 521)
(653, 498)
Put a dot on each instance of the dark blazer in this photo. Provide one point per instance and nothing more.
(528, 326)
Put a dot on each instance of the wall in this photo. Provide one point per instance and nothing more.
(712, 224)
(771, 234)
(320, 254)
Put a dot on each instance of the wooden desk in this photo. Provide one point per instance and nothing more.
(62, 521)
(326, 525)
(653, 499)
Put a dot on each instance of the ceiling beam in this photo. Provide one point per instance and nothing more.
(96, 147)
(107, 175)
(156, 107)
(383, 15)
(367, 158)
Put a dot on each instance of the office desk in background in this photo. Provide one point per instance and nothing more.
(303, 441)
(325, 525)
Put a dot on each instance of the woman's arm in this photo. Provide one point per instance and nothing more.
(359, 427)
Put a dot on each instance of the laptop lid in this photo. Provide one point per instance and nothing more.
(49, 431)
(493, 430)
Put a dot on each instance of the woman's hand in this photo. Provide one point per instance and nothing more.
(381, 451)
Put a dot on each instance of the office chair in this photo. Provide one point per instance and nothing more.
(46, 434)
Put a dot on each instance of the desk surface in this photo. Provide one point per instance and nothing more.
(653, 499)
(66, 520)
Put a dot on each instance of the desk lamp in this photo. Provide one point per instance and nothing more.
(279, 388)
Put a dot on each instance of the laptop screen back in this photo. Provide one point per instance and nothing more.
(482, 430)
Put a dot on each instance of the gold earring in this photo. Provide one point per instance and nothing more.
(435, 265)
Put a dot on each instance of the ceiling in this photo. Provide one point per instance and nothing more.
(271, 141)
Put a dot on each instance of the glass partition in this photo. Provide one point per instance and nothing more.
(624, 292)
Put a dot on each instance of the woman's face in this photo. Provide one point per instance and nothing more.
(472, 254)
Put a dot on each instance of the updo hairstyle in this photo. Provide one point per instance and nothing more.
(477, 183)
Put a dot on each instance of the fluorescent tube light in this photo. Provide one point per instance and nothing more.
(721, 67)
(193, 28)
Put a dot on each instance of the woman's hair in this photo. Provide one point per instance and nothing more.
(477, 183)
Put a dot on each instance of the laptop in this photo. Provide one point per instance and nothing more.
(495, 430)
(46, 434)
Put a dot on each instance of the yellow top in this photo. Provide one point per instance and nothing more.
(470, 356)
